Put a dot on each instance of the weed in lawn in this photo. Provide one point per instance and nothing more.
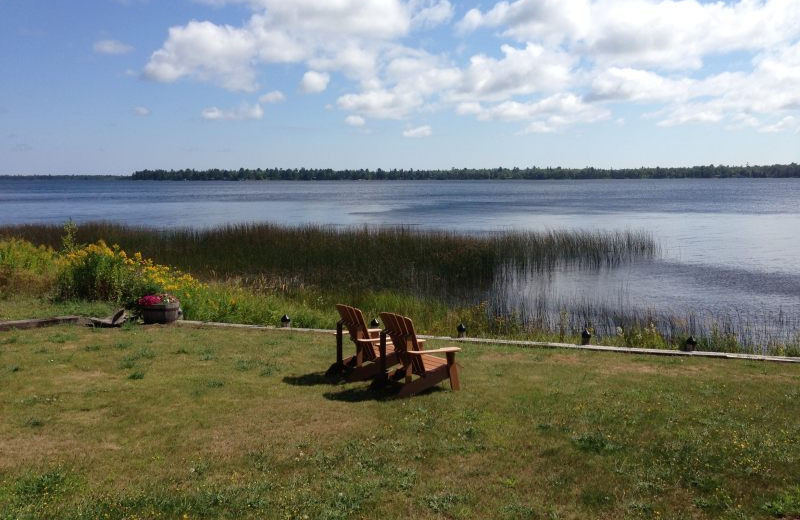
(443, 502)
(596, 498)
(181, 350)
(92, 348)
(9, 340)
(136, 375)
(208, 354)
(594, 443)
(786, 505)
(243, 365)
(14, 368)
(62, 337)
(130, 360)
(130, 325)
(267, 369)
(516, 511)
(122, 345)
(32, 487)
(261, 461)
(34, 422)
(198, 469)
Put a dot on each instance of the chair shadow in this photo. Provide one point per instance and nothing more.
(369, 393)
(314, 379)
(360, 394)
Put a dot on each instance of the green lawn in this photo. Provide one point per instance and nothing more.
(175, 422)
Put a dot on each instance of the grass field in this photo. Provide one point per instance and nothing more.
(175, 422)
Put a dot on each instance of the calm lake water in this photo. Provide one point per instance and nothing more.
(729, 246)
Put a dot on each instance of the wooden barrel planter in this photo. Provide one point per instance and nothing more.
(161, 312)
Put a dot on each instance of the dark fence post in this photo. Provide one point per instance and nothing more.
(462, 330)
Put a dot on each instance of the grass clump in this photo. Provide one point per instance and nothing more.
(786, 505)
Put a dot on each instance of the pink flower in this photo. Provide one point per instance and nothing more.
(150, 299)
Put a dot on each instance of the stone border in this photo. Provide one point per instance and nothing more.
(59, 320)
(525, 344)
(35, 324)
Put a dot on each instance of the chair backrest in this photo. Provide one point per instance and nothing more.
(353, 319)
(401, 330)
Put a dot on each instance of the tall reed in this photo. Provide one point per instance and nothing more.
(366, 257)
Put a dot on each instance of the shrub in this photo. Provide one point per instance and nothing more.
(26, 268)
(100, 272)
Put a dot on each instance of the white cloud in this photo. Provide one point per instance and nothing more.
(555, 63)
(242, 112)
(551, 114)
(206, 52)
(111, 47)
(520, 71)
(420, 131)
(627, 84)
(354, 120)
(382, 103)
(314, 82)
(141, 111)
(788, 123)
(658, 33)
(276, 96)
(430, 13)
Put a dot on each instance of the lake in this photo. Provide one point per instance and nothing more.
(729, 246)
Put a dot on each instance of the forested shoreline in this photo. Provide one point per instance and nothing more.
(711, 171)
(308, 174)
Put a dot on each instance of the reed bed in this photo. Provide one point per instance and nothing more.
(515, 312)
(365, 258)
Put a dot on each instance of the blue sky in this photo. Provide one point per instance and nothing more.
(113, 86)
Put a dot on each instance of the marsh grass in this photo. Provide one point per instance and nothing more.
(532, 434)
(275, 256)
(258, 272)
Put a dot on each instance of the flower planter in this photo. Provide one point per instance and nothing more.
(161, 312)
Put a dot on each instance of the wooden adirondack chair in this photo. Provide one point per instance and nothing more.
(363, 365)
(416, 361)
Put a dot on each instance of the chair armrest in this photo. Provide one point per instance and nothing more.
(444, 350)
(370, 340)
(374, 330)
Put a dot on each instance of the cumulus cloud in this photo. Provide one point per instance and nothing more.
(314, 82)
(353, 120)
(206, 52)
(419, 131)
(552, 64)
(662, 33)
(111, 47)
(276, 96)
(520, 71)
(242, 112)
(551, 114)
(141, 111)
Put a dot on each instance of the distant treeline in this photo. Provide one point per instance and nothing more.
(308, 174)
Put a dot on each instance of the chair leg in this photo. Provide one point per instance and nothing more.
(452, 371)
